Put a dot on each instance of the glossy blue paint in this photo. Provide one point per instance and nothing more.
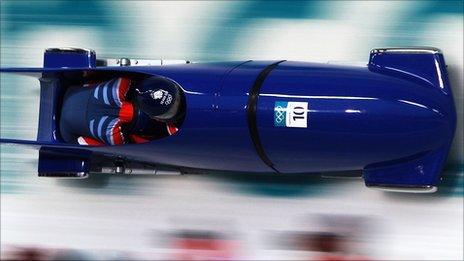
(393, 118)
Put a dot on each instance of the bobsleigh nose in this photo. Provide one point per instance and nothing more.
(348, 134)
(338, 118)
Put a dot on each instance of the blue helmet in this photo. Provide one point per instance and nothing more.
(159, 98)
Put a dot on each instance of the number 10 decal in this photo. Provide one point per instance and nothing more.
(291, 114)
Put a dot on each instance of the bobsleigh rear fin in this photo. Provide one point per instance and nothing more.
(57, 60)
(425, 64)
(57, 160)
(64, 162)
(69, 57)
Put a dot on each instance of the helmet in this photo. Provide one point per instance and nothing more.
(159, 98)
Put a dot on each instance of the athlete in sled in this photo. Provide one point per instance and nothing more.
(107, 113)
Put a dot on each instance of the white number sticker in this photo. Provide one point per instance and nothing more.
(291, 114)
(297, 115)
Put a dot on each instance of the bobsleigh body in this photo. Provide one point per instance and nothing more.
(393, 118)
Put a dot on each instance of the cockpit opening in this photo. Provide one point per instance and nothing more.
(121, 110)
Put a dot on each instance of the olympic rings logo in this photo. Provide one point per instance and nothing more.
(279, 114)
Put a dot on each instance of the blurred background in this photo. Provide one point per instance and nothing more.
(221, 216)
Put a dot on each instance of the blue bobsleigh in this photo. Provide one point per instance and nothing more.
(394, 118)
